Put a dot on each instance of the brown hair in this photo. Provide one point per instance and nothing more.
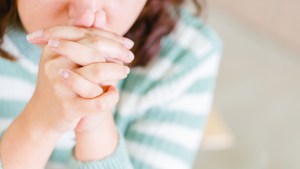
(8, 13)
(154, 22)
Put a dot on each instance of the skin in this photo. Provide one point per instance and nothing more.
(120, 14)
(80, 90)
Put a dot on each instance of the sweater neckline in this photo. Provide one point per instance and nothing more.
(17, 35)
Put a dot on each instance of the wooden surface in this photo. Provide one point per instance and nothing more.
(217, 134)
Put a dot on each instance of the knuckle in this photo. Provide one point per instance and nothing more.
(50, 31)
(74, 83)
(56, 85)
(83, 32)
(96, 56)
(48, 66)
(122, 49)
(97, 70)
(99, 106)
(91, 92)
(98, 41)
(117, 37)
(95, 53)
(92, 31)
(65, 107)
(116, 96)
(66, 110)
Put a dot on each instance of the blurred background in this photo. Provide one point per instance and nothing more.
(256, 114)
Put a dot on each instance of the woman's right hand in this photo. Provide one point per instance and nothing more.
(57, 106)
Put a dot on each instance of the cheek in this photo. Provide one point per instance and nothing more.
(121, 24)
(28, 15)
(24, 14)
(122, 18)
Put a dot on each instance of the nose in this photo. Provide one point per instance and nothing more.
(79, 6)
(86, 13)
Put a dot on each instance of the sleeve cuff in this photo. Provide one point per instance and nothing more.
(1, 165)
(119, 159)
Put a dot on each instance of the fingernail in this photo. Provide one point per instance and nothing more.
(53, 43)
(64, 74)
(131, 55)
(34, 35)
(128, 43)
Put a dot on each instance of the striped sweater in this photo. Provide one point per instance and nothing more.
(162, 110)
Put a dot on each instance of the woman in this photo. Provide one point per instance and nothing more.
(67, 99)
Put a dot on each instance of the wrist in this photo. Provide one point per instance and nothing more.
(90, 147)
(31, 122)
(29, 144)
(35, 129)
(97, 143)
